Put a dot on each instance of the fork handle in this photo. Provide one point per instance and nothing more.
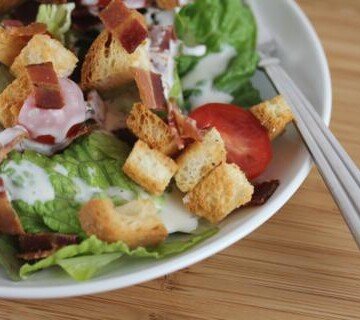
(339, 172)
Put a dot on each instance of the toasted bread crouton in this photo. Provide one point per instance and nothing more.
(42, 48)
(218, 194)
(149, 168)
(12, 99)
(150, 128)
(135, 223)
(107, 64)
(7, 5)
(274, 115)
(199, 159)
(10, 46)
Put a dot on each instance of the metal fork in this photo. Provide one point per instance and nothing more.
(339, 172)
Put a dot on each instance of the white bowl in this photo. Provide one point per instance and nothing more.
(304, 59)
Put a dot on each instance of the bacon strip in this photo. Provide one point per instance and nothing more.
(150, 88)
(7, 23)
(46, 86)
(41, 245)
(262, 192)
(127, 25)
(182, 126)
(26, 31)
(9, 220)
(161, 36)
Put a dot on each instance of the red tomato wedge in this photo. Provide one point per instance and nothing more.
(247, 141)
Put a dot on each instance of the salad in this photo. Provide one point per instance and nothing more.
(130, 128)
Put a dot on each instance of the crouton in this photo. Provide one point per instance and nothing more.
(199, 159)
(135, 223)
(149, 168)
(10, 46)
(42, 48)
(12, 99)
(107, 64)
(7, 5)
(274, 115)
(150, 128)
(218, 194)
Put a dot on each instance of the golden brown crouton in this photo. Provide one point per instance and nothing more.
(7, 5)
(42, 48)
(149, 168)
(218, 194)
(199, 159)
(150, 128)
(274, 115)
(136, 223)
(12, 99)
(10, 46)
(108, 65)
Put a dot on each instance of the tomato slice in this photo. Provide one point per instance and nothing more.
(247, 141)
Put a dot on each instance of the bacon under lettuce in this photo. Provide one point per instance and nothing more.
(150, 89)
(127, 25)
(46, 86)
(42, 245)
(9, 220)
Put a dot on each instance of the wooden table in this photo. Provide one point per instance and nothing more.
(302, 264)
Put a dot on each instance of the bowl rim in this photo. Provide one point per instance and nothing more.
(180, 262)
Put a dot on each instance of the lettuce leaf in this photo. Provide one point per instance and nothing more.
(215, 23)
(57, 17)
(88, 258)
(8, 259)
(90, 167)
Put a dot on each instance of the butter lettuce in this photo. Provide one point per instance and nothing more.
(95, 161)
(57, 17)
(214, 23)
(88, 258)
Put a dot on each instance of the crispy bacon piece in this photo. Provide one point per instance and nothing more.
(150, 88)
(127, 25)
(161, 36)
(262, 192)
(183, 127)
(11, 23)
(9, 220)
(46, 86)
(41, 245)
(27, 31)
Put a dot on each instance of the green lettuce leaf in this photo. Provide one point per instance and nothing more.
(88, 258)
(91, 163)
(215, 23)
(57, 17)
(8, 259)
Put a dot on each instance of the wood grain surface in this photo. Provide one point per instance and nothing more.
(301, 265)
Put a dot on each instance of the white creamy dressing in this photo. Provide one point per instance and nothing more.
(55, 122)
(174, 215)
(61, 169)
(197, 51)
(45, 149)
(84, 192)
(116, 192)
(204, 74)
(28, 182)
